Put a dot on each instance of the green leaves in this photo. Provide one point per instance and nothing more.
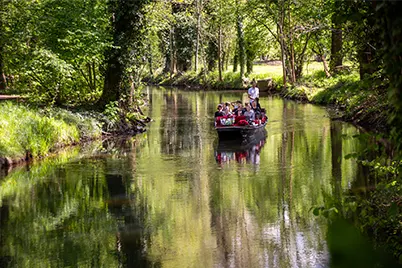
(56, 48)
(326, 212)
(393, 211)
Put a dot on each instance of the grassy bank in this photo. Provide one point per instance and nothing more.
(29, 132)
(363, 102)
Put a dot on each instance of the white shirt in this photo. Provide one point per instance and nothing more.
(254, 92)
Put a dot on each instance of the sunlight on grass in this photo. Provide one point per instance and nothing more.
(24, 130)
(274, 69)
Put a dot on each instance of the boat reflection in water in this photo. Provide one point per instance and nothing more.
(241, 151)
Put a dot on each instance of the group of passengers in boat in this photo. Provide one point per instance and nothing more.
(251, 111)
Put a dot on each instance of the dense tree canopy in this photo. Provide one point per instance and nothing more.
(75, 52)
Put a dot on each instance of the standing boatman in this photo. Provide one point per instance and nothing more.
(253, 91)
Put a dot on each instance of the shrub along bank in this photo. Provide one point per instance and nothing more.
(363, 102)
(230, 80)
(29, 132)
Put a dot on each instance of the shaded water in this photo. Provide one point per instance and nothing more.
(174, 197)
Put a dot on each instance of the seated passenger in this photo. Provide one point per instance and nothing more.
(249, 114)
(236, 104)
(245, 107)
(219, 111)
(263, 114)
(226, 108)
(238, 108)
(255, 108)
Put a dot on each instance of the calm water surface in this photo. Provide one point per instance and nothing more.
(176, 197)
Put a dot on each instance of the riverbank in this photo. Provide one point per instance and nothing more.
(27, 133)
(362, 102)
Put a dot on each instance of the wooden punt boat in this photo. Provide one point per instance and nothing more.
(247, 133)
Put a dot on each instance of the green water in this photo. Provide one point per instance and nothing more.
(175, 197)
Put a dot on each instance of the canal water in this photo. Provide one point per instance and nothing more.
(177, 197)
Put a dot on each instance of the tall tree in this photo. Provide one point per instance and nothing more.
(336, 36)
(128, 47)
(3, 83)
(240, 39)
(3, 10)
(294, 28)
(199, 5)
(390, 21)
(361, 16)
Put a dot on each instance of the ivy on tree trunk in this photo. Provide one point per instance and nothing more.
(128, 26)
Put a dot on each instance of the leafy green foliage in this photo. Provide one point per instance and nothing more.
(111, 112)
(55, 49)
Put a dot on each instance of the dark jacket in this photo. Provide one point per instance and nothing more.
(218, 113)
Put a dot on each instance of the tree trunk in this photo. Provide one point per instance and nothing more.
(3, 81)
(282, 42)
(220, 65)
(326, 70)
(203, 57)
(292, 50)
(94, 75)
(114, 69)
(389, 22)
(240, 40)
(235, 60)
(113, 78)
(90, 75)
(172, 54)
(300, 60)
(212, 55)
(320, 52)
(249, 60)
(150, 62)
(166, 68)
(336, 44)
(249, 65)
(292, 63)
(225, 60)
(132, 90)
(124, 15)
(197, 44)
